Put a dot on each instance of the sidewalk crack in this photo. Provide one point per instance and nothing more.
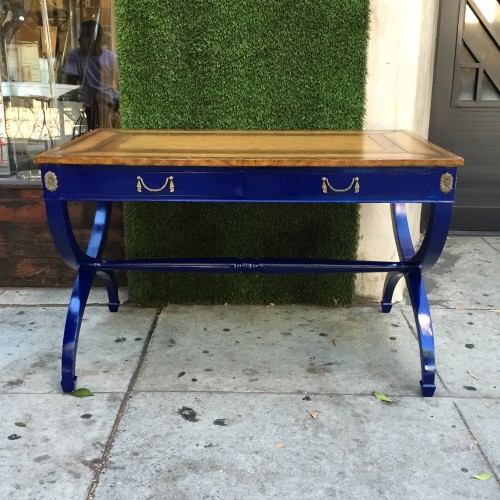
(490, 245)
(109, 443)
(478, 444)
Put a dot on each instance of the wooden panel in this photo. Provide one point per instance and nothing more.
(249, 148)
(473, 218)
(21, 272)
(27, 255)
(15, 191)
(32, 212)
(22, 240)
(477, 137)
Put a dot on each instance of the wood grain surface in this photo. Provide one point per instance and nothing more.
(250, 149)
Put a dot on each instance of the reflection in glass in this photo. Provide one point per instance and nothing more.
(489, 90)
(467, 84)
(470, 17)
(42, 105)
(95, 69)
(490, 9)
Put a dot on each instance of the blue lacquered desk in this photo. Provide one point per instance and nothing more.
(107, 165)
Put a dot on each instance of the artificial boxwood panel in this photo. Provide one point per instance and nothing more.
(241, 64)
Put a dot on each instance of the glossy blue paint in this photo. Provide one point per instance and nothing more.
(255, 184)
(104, 184)
(74, 318)
(250, 266)
(421, 312)
(62, 234)
(425, 257)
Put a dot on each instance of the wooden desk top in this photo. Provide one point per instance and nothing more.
(230, 148)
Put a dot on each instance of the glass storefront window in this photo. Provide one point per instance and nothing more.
(59, 76)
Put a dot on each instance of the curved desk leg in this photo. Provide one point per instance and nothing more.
(405, 248)
(391, 280)
(435, 236)
(109, 279)
(74, 318)
(68, 248)
(424, 258)
(96, 246)
(422, 314)
(62, 234)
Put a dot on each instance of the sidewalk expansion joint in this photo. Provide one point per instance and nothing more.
(121, 410)
(478, 444)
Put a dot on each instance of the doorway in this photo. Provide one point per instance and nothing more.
(465, 110)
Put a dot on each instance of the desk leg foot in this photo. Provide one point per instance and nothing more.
(427, 390)
(425, 333)
(391, 281)
(386, 306)
(68, 384)
(110, 282)
(74, 317)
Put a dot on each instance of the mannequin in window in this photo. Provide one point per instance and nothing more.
(95, 69)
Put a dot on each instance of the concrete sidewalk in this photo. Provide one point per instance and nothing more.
(214, 401)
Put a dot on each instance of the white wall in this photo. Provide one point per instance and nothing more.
(399, 87)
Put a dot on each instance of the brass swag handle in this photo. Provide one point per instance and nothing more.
(168, 182)
(326, 186)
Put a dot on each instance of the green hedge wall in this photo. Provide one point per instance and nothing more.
(242, 64)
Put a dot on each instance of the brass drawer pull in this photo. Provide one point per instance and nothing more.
(327, 185)
(168, 182)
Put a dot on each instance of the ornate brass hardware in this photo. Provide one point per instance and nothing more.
(50, 181)
(446, 183)
(169, 181)
(327, 186)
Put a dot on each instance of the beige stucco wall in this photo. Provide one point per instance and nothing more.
(399, 87)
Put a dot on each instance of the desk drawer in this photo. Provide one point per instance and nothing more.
(345, 186)
(151, 185)
(317, 185)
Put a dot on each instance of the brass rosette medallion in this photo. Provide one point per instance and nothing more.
(50, 181)
(446, 183)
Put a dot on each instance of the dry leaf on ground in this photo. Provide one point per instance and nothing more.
(314, 414)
